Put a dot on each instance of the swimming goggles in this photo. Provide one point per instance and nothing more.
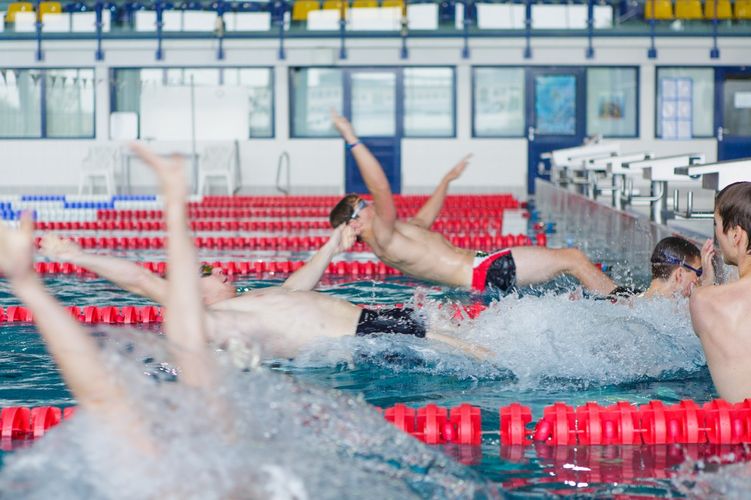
(361, 205)
(666, 259)
(206, 270)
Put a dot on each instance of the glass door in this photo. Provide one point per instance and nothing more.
(555, 114)
(733, 115)
(372, 100)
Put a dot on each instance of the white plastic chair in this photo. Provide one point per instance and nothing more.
(101, 162)
(217, 161)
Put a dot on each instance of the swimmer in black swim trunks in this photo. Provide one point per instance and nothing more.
(677, 267)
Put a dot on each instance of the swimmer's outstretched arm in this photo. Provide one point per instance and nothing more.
(73, 349)
(185, 323)
(473, 350)
(428, 213)
(124, 273)
(307, 277)
(375, 179)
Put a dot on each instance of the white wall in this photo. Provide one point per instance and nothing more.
(318, 165)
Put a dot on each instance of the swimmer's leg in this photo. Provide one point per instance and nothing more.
(185, 324)
(73, 349)
(538, 265)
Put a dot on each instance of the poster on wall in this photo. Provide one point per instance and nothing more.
(676, 108)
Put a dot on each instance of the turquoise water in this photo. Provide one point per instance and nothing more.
(548, 348)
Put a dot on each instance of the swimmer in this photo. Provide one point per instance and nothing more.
(284, 319)
(415, 250)
(677, 266)
(721, 315)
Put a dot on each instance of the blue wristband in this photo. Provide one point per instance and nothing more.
(350, 146)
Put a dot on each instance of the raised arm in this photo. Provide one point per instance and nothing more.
(185, 323)
(430, 210)
(375, 179)
(308, 276)
(123, 273)
(707, 263)
(73, 349)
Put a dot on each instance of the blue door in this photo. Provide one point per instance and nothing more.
(372, 100)
(733, 112)
(555, 114)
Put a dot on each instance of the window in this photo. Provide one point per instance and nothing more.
(612, 102)
(498, 105)
(685, 103)
(316, 91)
(70, 102)
(128, 87)
(48, 103)
(429, 102)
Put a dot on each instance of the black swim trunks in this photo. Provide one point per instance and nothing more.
(496, 270)
(621, 292)
(401, 321)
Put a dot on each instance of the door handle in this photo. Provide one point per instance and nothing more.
(531, 134)
(721, 133)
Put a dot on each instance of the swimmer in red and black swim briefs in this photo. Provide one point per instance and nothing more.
(495, 270)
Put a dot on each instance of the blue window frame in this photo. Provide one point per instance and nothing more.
(127, 82)
(426, 108)
(49, 103)
(702, 101)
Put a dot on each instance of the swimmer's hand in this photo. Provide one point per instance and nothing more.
(170, 170)
(707, 256)
(55, 247)
(457, 170)
(344, 127)
(342, 238)
(17, 249)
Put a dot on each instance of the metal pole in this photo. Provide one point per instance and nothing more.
(659, 205)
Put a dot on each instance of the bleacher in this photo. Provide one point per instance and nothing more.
(359, 15)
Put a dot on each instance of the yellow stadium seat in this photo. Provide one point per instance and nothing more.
(724, 10)
(394, 3)
(364, 4)
(743, 9)
(688, 9)
(301, 8)
(658, 10)
(50, 8)
(335, 5)
(10, 16)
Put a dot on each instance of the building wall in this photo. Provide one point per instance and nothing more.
(317, 166)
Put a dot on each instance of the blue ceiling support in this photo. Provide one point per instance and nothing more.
(39, 53)
(404, 54)
(590, 29)
(159, 26)
(220, 8)
(652, 51)
(342, 32)
(528, 29)
(280, 7)
(714, 52)
(99, 55)
(465, 24)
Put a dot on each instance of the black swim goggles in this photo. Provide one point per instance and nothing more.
(667, 259)
(361, 205)
(206, 270)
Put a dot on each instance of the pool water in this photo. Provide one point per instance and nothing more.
(548, 347)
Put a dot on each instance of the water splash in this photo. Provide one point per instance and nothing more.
(715, 478)
(536, 342)
(258, 435)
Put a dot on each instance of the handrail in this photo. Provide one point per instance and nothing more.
(284, 159)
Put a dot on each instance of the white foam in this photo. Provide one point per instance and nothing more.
(258, 435)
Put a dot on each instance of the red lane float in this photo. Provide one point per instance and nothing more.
(132, 315)
(498, 200)
(716, 422)
(296, 243)
(450, 226)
